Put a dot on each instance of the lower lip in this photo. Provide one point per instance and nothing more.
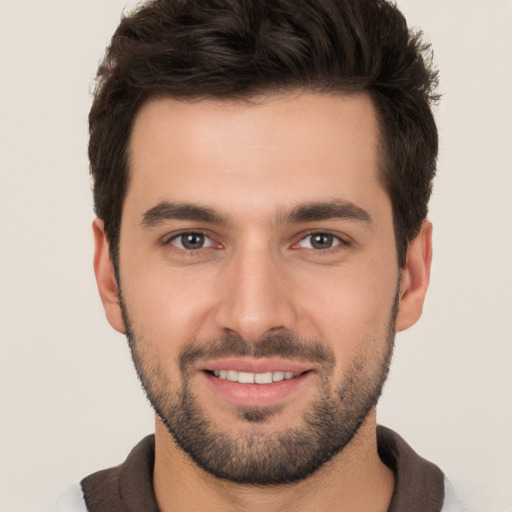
(256, 395)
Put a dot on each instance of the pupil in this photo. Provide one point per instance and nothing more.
(322, 241)
(193, 241)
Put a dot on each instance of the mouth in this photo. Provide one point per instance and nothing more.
(254, 378)
(256, 383)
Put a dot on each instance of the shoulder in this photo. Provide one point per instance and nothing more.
(71, 500)
(452, 501)
(127, 487)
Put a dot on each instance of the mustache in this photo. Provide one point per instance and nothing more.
(284, 345)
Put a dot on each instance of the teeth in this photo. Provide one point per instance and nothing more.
(253, 378)
(263, 378)
(277, 376)
(243, 377)
(232, 375)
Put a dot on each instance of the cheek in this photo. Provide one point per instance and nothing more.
(168, 306)
(351, 309)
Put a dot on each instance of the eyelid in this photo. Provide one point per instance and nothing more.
(342, 240)
(170, 237)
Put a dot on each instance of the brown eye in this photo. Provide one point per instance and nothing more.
(191, 241)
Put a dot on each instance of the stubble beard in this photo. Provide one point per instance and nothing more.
(256, 456)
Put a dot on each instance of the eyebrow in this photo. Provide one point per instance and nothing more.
(336, 209)
(167, 210)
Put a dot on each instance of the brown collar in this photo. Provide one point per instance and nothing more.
(419, 484)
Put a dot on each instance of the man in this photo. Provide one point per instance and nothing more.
(262, 171)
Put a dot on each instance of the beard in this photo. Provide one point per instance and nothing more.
(253, 455)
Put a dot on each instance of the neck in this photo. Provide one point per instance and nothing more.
(355, 479)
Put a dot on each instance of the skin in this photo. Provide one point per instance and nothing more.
(253, 164)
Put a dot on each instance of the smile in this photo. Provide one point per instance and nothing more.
(255, 383)
(253, 378)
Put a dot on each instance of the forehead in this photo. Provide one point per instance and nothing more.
(274, 152)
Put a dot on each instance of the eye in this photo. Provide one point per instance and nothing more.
(191, 241)
(319, 241)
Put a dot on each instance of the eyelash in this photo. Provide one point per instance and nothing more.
(182, 250)
(341, 242)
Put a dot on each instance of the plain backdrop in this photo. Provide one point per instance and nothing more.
(70, 402)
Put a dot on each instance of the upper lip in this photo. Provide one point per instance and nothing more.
(252, 365)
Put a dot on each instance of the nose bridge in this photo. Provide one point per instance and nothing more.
(255, 299)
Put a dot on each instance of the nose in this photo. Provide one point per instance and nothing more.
(255, 295)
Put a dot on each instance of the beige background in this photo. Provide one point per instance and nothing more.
(69, 399)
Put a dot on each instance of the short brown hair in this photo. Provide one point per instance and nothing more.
(236, 49)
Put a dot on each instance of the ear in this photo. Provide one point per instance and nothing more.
(415, 278)
(105, 277)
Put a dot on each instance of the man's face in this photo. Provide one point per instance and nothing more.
(259, 277)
